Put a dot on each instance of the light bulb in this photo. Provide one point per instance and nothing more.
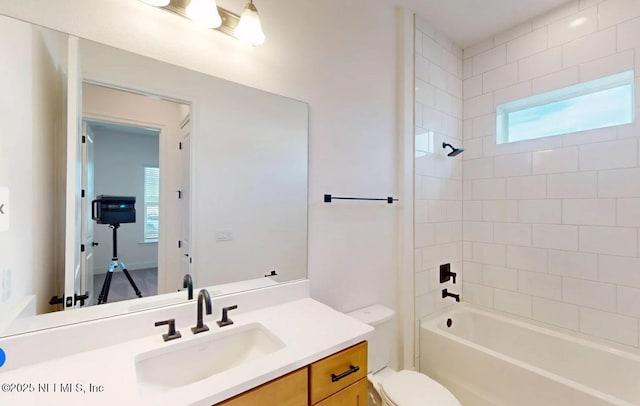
(204, 12)
(157, 3)
(249, 28)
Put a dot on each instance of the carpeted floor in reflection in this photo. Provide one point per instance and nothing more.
(145, 279)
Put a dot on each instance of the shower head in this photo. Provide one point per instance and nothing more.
(454, 151)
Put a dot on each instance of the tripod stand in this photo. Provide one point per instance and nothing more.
(115, 263)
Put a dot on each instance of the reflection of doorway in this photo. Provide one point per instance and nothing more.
(159, 210)
(126, 163)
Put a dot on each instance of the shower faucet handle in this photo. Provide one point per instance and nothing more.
(446, 274)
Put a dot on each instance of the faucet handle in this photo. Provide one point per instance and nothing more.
(446, 274)
(172, 334)
(225, 316)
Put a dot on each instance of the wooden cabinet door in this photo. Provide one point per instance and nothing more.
(289, 390)
(337, 371)
(354, 395)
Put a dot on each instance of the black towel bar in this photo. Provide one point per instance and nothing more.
(329, 198)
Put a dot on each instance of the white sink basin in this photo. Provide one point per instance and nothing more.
(185, 361)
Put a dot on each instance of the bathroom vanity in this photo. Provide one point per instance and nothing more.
(283, 348)
(338, 379)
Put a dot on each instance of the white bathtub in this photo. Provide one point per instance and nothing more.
(490, 359)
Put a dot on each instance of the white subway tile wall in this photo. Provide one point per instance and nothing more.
(552, 81)
(438, 178)
(512, 302)
(551, 227)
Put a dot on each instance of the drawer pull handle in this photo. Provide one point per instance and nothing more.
(352, 370)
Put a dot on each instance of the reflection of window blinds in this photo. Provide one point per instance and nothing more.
(151, 203)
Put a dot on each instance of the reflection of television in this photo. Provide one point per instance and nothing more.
(114, 210)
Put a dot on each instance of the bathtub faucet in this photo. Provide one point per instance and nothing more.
(445, 293)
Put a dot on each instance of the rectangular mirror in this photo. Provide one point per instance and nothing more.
(218, 172)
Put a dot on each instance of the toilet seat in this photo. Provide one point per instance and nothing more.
(410, 388)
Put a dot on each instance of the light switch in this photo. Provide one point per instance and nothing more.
(225, 234)
(4, 208)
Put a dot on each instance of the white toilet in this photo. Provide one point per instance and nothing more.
(403, 388)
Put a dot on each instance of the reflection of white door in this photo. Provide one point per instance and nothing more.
(185, 198)
(86, 268)
(74, 176)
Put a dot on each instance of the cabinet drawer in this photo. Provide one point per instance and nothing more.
(354, 395)
(289, 390)
(337, 371)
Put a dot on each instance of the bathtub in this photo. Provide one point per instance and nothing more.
(486, 359)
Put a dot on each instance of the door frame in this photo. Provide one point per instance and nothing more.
(73, 173)
(164, 188)
(87, 236)
(186, 251)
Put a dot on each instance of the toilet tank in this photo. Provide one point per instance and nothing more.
(383, 338)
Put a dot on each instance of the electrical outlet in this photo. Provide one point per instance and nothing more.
(225, 234)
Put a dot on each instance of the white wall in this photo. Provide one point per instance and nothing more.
(31, 109)
(438, 178)
(47, 113)
(120, 159)
(250, 177)
(17, 140)
(551, 225)
(341, 60)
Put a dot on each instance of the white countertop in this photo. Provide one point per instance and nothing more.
(309, 329)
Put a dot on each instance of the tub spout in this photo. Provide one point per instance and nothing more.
(445, 293)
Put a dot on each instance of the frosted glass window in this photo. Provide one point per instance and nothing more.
(604, 102)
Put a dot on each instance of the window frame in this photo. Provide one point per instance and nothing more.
(581, 89)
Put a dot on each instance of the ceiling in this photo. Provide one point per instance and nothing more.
(467, 22)
(100, 127)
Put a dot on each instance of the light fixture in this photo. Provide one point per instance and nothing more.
(204, 12)
(249, 28)
(157, 3)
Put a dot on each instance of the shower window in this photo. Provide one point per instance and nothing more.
(599, 103)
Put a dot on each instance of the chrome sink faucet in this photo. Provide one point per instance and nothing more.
(203, 296)
(187, 282)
